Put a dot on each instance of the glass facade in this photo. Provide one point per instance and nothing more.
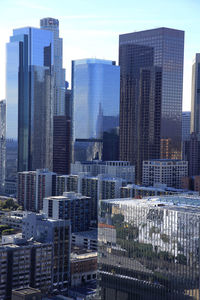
(149, 248)
(163, 48)
(95, 92)
(59, 73)
(2, 143)
(29, 96)
(195, 103)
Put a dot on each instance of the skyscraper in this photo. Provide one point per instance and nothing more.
(195, 103)
(2, 143)
(59, 73)
(95, 94)
(186, 117)
(29, 95)
(161, 50)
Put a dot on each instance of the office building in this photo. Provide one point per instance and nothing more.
(2, 145)
(186, 117)
(95, 96)
(52, 25)
(33, 186)
(151, 75)
(61, 145)
(195, 119)
(119, 169)
(11, 160)
(156, 253)
(58, 234)
(191, 153)
(68, 102)
(26, 294)
(71, 206)
(167, 171)
(29, 96)
(23, 264)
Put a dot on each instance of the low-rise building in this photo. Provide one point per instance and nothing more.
(86, 239)
(83, 266)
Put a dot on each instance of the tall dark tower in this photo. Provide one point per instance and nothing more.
(161, 48)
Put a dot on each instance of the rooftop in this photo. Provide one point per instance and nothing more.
(190, 204)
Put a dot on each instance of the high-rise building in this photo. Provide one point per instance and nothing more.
(61, 145)
(151, 74)
(186, 117)
(33, 186)
(195, 106)
(58, 234)
(152, 251)
(167, 171)
(52, 24)
(95, 96)
(29, 96)
(2, 144)
(191, 153)
(71, 206)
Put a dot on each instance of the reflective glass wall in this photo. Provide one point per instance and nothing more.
(149, 249)
(29, 96)
(95, 92)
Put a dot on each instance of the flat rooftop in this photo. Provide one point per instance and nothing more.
(190, 204)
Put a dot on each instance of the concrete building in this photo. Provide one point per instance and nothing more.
(86, 239)
(83, 266)
(138, 191)
(97, 188)
(58, 233)
(71, 206)
(158, 233)
(33, 186)
(26, 294)
(14, 219)
(24, 264)
(67, 183)
(167, 171)
(120, 169)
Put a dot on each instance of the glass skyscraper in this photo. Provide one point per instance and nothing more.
(149, 248)
(158, 48)
(95, 92)
(195, 103)
(59, 73)
(2, 143)
(29, 96)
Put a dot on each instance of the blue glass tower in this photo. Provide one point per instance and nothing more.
(95, 92)
(29, 96)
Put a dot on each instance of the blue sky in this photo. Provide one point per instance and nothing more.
(90, 28)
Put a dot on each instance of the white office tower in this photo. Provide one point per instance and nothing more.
(2, 143)
(59, 73)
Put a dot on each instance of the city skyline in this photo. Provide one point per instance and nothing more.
(86, 29)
